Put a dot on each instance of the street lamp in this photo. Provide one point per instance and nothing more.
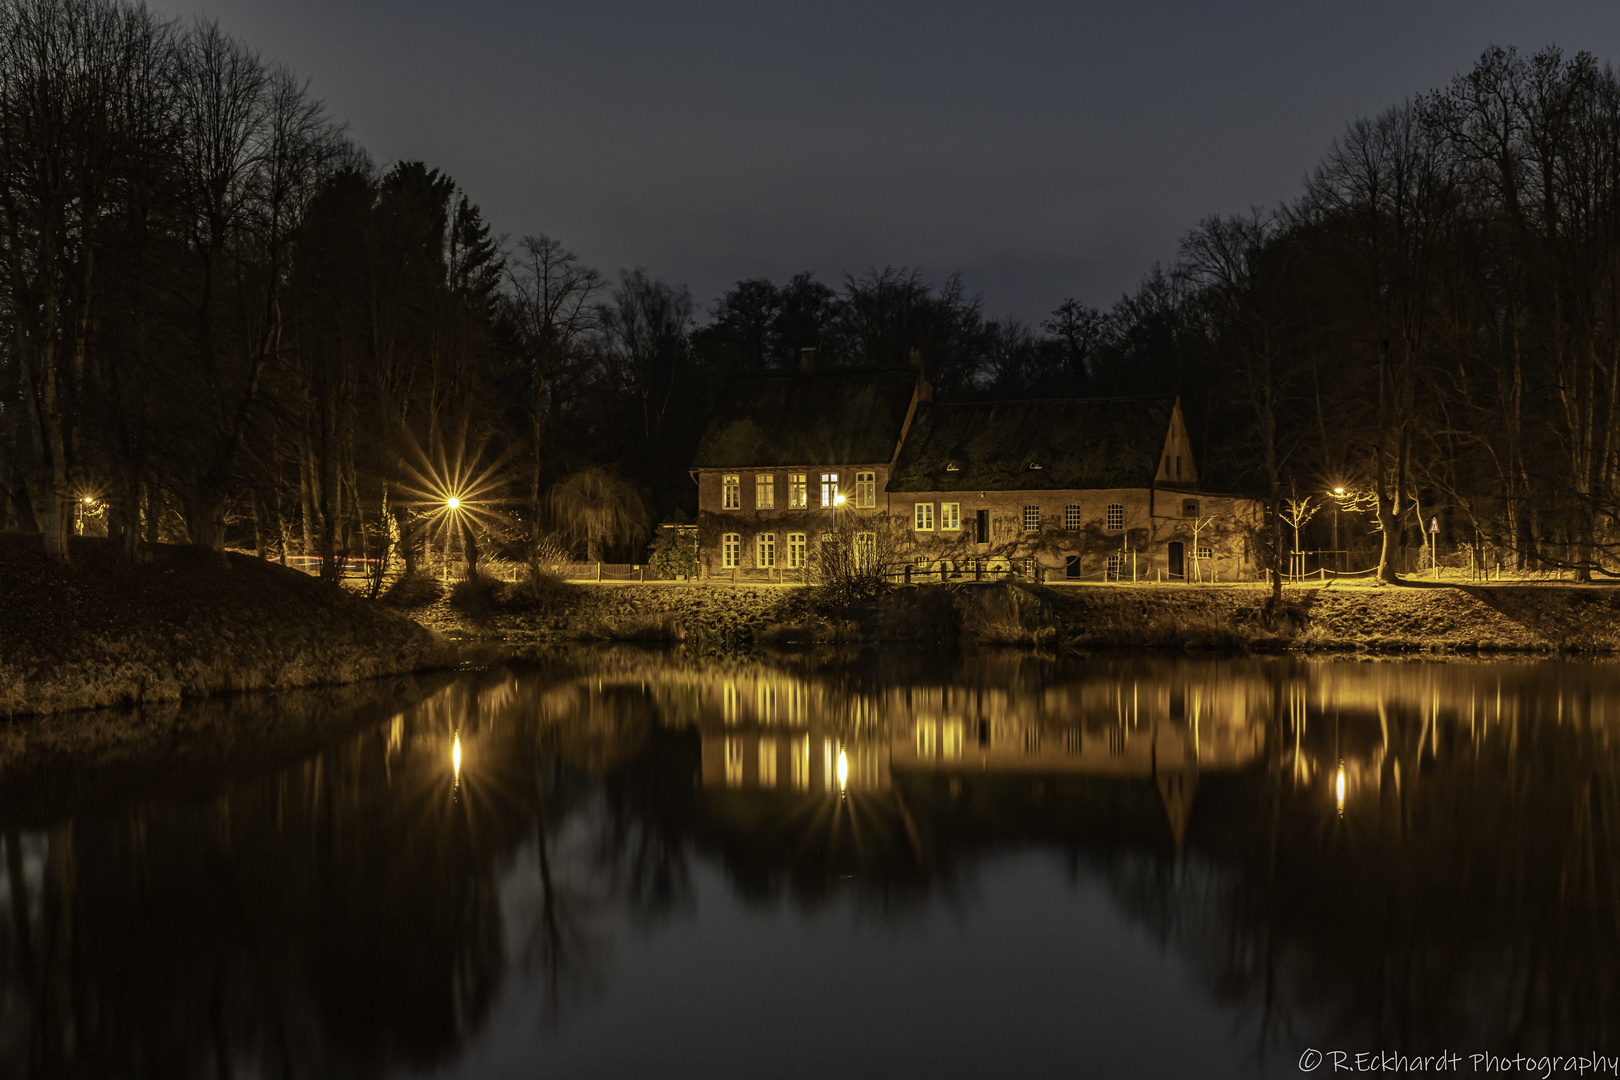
(1338, 560)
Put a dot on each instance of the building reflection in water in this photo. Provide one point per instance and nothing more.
(1412, 850)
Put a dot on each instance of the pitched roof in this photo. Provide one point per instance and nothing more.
(1079, 443)
(836, 417)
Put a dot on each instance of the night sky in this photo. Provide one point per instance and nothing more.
(1045, 150)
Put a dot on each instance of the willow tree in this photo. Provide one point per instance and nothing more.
(595, 508)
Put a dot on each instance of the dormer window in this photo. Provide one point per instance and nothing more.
(951, 466)
(1034, 465)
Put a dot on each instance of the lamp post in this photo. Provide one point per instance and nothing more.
(1338, 559)
(452, 504)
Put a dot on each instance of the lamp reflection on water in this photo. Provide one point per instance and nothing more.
(455, 757)
(843, 771)
(1338, 787)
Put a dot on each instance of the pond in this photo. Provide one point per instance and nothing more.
(625, 863)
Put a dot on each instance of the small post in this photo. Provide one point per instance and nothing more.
(1133, 566)
(599, 571)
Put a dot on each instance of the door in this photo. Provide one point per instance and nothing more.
(1177, 569)
(981, 527)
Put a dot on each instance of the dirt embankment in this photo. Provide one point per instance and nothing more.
(1445, 618)
(100, 632)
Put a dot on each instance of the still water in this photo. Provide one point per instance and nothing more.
(621, 863)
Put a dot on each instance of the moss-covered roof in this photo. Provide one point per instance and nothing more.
(1078, 443)
(837, 417)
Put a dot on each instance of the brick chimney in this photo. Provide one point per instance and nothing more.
(807, 360)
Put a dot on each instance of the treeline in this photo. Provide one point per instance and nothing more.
(227, 326)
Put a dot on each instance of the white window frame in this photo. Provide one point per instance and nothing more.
(764, 491)
(950, 517)
(1032, 513)
(765, 551)
(731, 491)
(1116, 567)
(1072, 517)
(865, 490)
(798, 491)
(1115, 517)
(829, 490)
(865, 550)
(730, 550)
(922, 517)
(795, 551)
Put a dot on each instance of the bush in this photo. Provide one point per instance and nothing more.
(674, 554)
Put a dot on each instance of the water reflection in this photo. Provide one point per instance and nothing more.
(342, 882)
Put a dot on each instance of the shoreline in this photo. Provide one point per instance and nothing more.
(186, 625)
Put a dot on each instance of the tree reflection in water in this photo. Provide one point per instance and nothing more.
(336, 892)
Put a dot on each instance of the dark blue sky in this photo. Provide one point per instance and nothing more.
(1045, 150)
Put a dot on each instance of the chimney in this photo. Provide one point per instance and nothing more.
(807, 360)
(916, 360)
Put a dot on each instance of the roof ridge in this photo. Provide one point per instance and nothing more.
(1053, 401)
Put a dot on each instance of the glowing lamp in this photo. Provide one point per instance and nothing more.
(838, 500)
(1339, 491)
(453, 503)
(455, 756)
(843, 771)
(1338, 789)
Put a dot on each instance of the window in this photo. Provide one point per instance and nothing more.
(1071, 516)
(1116, 516)
(1030, 569)
(764, 492)
(865, 550)
(799, 753)
(1116, 566)
(731, 493)
(765, 550)
(829, 489)
(866, 489)
(926, 738)
(795, 552)
(767, 762)
(950, 515)
(1072, 566)
(798, 495)
(970, 565)
(922, 518)
(1189, 508)
(730, 550)
(1032, 519)
(1203, 553)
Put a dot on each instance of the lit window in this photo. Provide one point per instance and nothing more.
(1116, 515)
(865, 550)
(1116, 566)
(795, 552)
(1189, 508)
(1071, 516)
(866, 489)
(927, 737)
(829, 489)
(798, 492)
(923, 517)
(799, 752)
(764, 492)
(734, 763)
(951, 743)
(950, 515)
(765, 550)
(1032, 519)
(730, 549)
(1204, 553)
(767, 762)
(1029, 568)
(731, 493)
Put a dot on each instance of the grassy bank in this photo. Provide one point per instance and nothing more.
(1446, 618)
(100, 632)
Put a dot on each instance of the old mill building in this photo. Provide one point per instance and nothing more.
(1063, 489)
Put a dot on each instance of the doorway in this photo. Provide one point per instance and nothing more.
(1177, 565)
